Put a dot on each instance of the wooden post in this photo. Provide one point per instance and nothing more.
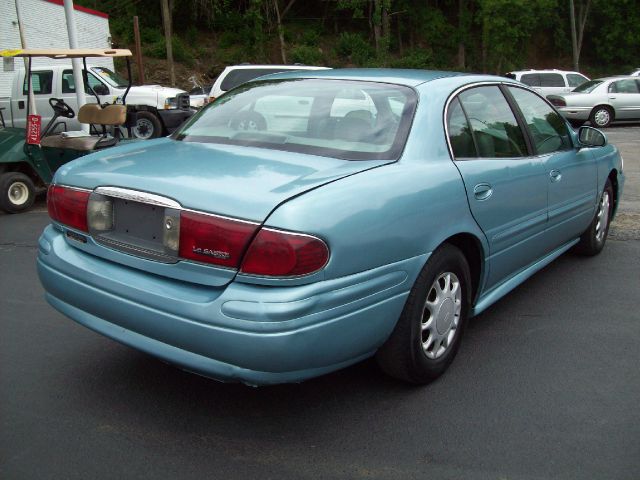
(574, 41)
(136, 33)
(166, 20)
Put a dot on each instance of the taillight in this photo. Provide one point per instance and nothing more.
(212, 239)
(276, 253)
(557, 101)
(68, 206)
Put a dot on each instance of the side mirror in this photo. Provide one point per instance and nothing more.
(101, 89)
(591, 137)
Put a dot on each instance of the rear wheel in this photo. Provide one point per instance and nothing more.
(427, 335)
(593, 239)
(17, 192)
(601, 116)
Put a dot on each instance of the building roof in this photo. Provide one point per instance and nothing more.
(61, 53)
(81, 9)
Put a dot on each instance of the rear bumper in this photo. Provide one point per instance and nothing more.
(241, 332)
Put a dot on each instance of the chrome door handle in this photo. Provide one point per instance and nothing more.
(612, 98)
(555, 175)
(482, 191)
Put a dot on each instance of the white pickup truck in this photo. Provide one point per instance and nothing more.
(159, 110)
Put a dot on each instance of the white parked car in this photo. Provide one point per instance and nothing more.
(635, 73)
(601, 101)
(549, 82)
(235, 75)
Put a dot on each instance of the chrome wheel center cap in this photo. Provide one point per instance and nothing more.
(444, 317)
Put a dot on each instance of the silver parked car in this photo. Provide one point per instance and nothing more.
(601, 101)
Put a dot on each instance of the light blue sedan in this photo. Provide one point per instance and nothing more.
(306, 221)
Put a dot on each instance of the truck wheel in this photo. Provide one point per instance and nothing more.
(17, 192)
(147, 126)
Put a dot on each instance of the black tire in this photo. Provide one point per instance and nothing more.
(601, 116)
(593, 239)
(147, 126)
(17, 192)
(403, 355)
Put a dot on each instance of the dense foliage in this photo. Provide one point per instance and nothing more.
(475, 35)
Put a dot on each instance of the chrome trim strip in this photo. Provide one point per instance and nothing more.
(233, 219)
(135, 250)
(137, 196)
(78, 189)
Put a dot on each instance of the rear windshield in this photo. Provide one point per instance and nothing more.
(242, 75)
(343, 119)
(587, 87)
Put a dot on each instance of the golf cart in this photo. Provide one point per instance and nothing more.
(29, 158)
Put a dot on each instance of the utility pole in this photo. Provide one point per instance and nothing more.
(78, 79)
(23, 43)
(166, 20)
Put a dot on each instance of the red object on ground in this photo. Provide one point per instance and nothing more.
(34, 123)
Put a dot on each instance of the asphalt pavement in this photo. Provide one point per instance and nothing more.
(546, 385)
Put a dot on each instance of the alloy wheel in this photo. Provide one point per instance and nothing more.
(441, 315)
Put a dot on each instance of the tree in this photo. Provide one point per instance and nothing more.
(576, 38)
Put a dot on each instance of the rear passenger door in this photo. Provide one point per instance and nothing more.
(42, 85)
(506, 186)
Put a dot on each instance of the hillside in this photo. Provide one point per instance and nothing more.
(492, 36)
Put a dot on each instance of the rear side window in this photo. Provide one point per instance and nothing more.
(40, 82)
(531, 79)
(624, 86)
(242, 75)
(551, 80)
(459, 132)
(575, 80)
(494, 127)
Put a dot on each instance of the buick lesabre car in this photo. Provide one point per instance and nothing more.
(306, 221)
(602, 101)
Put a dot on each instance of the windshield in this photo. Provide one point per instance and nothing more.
(110, 77)
(587, 87)
(343, 119)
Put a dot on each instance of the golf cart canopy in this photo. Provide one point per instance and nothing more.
(61, 53)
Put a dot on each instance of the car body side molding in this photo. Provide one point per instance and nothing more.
(496, 293)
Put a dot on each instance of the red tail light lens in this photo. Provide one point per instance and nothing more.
(557, 101)
(211, 239)
(276, 253)
(68, 206)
